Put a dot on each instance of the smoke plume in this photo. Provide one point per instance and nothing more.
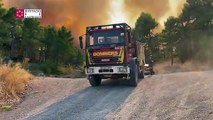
(155, 7)
(159, 9)
(74, 14)
(77, 14)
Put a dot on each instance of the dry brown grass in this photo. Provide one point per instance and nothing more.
(165, 67)
(13, 83)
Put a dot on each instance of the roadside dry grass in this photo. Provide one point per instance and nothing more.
(13, 83)
(165, 67)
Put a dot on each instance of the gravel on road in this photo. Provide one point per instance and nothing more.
(178, 96)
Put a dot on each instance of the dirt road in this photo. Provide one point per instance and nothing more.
(88, 104)
(167, 96)
(179, 96)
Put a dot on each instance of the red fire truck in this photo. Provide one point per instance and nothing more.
(111, 52)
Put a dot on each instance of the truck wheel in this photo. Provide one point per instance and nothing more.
(133, 73)
(94, 80)
(152, 72)
(141, 75)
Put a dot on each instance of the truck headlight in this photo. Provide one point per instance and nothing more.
(90, 70)
(122, 69)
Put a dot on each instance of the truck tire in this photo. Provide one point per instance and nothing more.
(94, 80)
(133, 73)
(152, 72)
(140, 75)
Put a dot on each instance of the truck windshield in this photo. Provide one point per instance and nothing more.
(105, 37)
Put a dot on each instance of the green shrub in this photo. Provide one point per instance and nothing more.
(71, 70)
(49, 67)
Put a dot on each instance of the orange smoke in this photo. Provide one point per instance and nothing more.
(74, 14)
(77, 14)
(156, 8)
(159, 9)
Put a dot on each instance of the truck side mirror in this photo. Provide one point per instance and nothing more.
(81, 42)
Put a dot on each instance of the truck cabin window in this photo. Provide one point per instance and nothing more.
(106, 37)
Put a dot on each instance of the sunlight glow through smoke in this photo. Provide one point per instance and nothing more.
(117, 13)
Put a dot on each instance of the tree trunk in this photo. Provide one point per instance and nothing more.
(172, 57)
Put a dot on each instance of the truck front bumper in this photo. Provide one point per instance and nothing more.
(107, 70)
